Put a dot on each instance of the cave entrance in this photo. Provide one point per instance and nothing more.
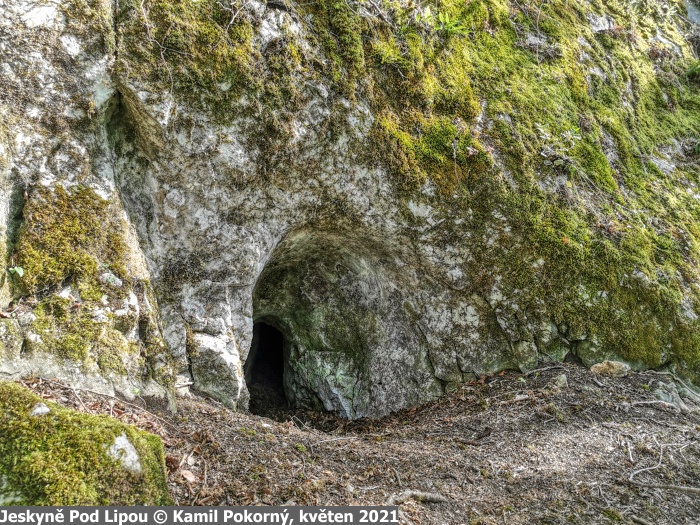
(264, 371)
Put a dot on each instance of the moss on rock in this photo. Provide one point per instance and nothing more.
(572, 120)
(201, 50)
(74, 238)
(70, 234)
(577, 133)
(10, 339)
(71, 333)
(63, 457)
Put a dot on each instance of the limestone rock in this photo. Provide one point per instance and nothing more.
(123, 451)
(10, 339)
(611, 369)
(216, 368)
(561, 381)
(111, 279)
(590, 351)
(288, 168)
(600, 23)
(40, 409)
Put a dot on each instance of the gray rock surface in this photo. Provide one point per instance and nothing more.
(123, 451)
(373, 290)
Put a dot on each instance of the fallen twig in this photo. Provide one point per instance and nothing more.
(75, 393)
(695, 397)
(537, 370)
(656, 402)
(689, 490)
(312, 445)
(430, 497)
(639, 520)
(332, 440)
(398, 478)
(661, 457)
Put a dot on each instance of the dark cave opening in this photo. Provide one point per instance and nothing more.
(264, 371)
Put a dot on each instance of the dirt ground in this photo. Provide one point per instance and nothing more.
(507, 449)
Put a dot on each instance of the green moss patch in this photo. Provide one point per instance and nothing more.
(70, 332)
(200, 50)
(70, 234)
(75, 237)
(61, 457)
(576, 118)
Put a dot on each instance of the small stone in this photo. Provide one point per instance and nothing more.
(34, 338)
(133, 300)
(40, 409)
(662, 394)
(561, 381)
(111, 279)
(611, 369)
(533, 40)
(124, 451)
(600, 24)
(8, 496)
(26, 319)
(99, 316)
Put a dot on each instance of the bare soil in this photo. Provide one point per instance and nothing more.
(507, 449)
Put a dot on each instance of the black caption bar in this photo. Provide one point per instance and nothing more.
(201, 515)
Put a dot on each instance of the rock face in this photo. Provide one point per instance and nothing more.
(412, 198)
(82, 308)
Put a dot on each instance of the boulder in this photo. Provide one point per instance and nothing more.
(50, 455)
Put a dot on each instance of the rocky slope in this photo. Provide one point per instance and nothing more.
(413, 196)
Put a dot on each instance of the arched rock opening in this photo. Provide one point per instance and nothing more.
(349, 341)
(264, 370)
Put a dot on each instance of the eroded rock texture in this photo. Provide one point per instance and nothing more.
(412, 196)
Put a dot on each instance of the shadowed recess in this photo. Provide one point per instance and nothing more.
(264, 370)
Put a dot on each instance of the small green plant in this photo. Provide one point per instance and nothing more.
(301, 448)
(16, 270)
(442, 23)
(247, 431)
(450, 26)
(693, 72)
(388, 53)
